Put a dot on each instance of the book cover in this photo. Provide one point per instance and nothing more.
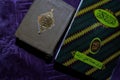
(44, 24)
(92, 45)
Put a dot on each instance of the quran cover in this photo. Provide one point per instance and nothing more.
(92, 46)
(44, 25)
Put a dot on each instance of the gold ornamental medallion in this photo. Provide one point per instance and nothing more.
(45, 21)
(95, 45)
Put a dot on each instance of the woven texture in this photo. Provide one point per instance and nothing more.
(16, 63)
(85, 29)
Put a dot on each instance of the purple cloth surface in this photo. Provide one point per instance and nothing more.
(15, 62)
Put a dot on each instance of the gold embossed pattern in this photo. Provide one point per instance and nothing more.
(45, 21)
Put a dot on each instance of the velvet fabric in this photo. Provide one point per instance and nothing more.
(15, 62)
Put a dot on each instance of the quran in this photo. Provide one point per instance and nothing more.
(45, 24)
(91, 48)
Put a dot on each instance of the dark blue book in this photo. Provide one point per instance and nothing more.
(92, 46)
